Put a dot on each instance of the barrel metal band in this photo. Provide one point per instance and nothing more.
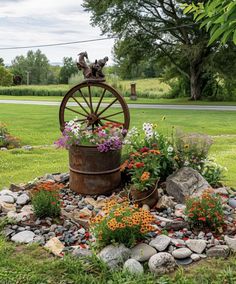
(95, 173)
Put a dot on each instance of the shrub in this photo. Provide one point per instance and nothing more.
(213, 172)
(7, 140)
(206, 211)
(121, 223)
(6, 78)
(46, 200)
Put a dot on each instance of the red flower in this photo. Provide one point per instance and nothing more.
(144, 149)
(139, 165)
(202, 219)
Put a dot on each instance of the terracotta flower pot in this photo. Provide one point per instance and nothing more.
(148, 197)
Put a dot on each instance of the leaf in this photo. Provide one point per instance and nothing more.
(226, 36)
(216, 35)
(188, 9)
(234, 37)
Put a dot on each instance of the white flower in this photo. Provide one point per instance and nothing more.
(170, 149)
(186, 163)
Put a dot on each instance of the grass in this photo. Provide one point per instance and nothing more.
(33, 265)
(38, 126)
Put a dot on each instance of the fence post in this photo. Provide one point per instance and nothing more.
(133, 95)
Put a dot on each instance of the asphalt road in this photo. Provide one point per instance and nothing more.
(135, 106)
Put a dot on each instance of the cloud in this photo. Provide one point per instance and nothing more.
(32, 22)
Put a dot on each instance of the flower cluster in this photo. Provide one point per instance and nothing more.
(206, 211)
(107, 137)
(121, 223)
(144, 168)
(46, 199)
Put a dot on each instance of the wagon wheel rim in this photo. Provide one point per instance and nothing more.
(91, 113)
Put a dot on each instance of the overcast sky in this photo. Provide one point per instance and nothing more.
(36, 22)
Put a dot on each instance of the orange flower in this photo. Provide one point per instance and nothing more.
(145, 176)
(139, 165)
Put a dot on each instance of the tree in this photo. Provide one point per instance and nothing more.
(36, 63)
(5, 77)
(218, 17)
(155, 29)
(69, 68)
(1, 62)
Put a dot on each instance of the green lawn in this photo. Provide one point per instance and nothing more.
(38, 126)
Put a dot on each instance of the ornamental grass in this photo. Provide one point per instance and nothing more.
(121, 223)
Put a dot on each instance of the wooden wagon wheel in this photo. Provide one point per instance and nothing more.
(80, 101)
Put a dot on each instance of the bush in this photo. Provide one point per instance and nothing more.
(6, 78)
(121, 223)
(6, 140)
(46, 200)
(205, 212)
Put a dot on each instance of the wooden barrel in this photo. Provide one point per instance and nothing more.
(93, 172)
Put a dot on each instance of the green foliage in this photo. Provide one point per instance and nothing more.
(1, 62)
(6, 140)
(5, 77)
(206, 211)
(217, 17)
(68, 69)
(46, 201)
(213, 172)
(34, 62)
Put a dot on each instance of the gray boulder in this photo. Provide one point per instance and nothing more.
(218, 251)
(25, 237)
(160, 242)
(231, 242)
(133, 266)
(161, 263)
(142, 252)
(197, 246)
(184, 183)
(114, 256)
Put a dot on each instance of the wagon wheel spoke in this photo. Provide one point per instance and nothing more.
(99, 122)
(104, 117)
(83, 96)
(83, 108)
(107, 107)
(70, 109)
(114, 121)
(90, 99)
(99, 103)
(82, 120)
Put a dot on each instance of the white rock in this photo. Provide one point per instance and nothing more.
(231, 242)
(55, 246)
(142, 252)
(7, 207)
(195, 257)
(178, 242)
(27, 208)
(22, 199)
(114, 255)
(161, 263)
(160, 242)
(18, 217)
(181, 253)
(23, 237)
(133, 266)
(197, 246)
(7, 199)
(8, 192)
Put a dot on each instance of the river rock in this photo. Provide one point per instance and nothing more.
(232, 202)
(55, 246)
(161, 263)
(7, 199)
(82, 252)
(185, 182)
(165, 202)
(9, 193)
(197, 246)
(195, 257)
(7, 207)
(218, 251)
(113, 256)
(22, 199)
(161, 242)
(231, 242)
(133, 266)
(181, 253)
(23, 237)
(142, 252)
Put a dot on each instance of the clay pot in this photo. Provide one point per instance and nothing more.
(148, 197)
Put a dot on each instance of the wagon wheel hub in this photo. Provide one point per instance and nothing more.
(92, 119)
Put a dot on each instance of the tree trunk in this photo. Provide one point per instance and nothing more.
(195, 82)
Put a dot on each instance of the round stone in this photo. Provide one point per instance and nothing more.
(161, 263)
(142, 252)
(232, 202)
(181, 253)
(133, 266)
(185, 261)
(160, 242)
(197, 246)
(23, 237)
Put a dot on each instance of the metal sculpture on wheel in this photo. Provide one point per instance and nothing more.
(89, 112)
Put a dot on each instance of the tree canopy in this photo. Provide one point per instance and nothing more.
(36, 63)
(5, 76)
(69, 68)
(217, 16)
